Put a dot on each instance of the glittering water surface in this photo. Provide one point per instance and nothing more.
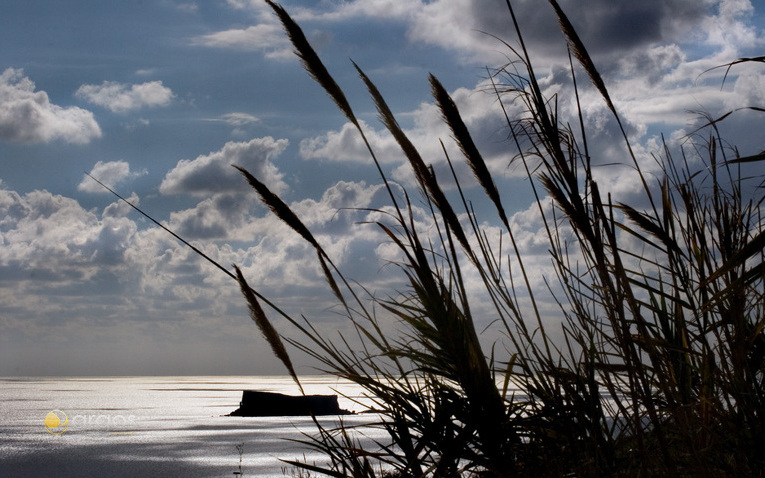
(153, 426)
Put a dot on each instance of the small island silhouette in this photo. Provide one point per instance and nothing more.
(270, 404)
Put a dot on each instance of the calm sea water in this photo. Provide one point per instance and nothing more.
(151, 426)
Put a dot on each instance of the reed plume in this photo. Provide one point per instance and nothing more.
(269, 332)
(279, 208)
(312, 63)
(581, 54)
(453, 119)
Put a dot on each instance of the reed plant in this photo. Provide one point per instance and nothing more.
(659, 368)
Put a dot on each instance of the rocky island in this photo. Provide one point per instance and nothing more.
(270, 404)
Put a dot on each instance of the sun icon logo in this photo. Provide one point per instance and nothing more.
(56, 422)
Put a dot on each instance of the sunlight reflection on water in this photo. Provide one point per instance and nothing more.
(135, 426)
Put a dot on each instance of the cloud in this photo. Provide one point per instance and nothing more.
(239, 119)
(221, 216)
(53, 236)
(379, 9)
(189, 7)
(338, 220)
(346, 145)
(264, 37)
(427, 131)
(27, 116)
(268, 36)
(121, 208)
(134, 125)
(121, 98)
(606, 26)
(213, 173)
(748, 90)
(60, 260)
(611, 29)
(111, 173)
(255, 5)
(229, 200)
(652, 63)
(146, 72)
(730, 29)
(51, 243)
(64, 269)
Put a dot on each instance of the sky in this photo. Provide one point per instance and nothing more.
(158, 98)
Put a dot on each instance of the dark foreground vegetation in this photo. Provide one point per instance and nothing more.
(656, 364)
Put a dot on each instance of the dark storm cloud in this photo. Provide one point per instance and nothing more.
(624, 24)
(610, 29)
(604, 25)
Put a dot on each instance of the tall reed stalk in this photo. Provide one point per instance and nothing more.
(661, 367)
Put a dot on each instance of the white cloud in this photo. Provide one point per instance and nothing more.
(749, 90)
(121, 208)
(379, 9)
(53, 235)
(456, 26)
(146, 72)
(225, 211)
(189, 7)
(283, 259)
(121, 98)
(729, 28)
(240, 122)
(64, 269)
(111, 173)
(51, 243)
(265, 37)
(139, 123)
(28, 116)
(239, 119)
(479, 111)
(218, 217)
(256, 5)
(213, 173)
(346, 145)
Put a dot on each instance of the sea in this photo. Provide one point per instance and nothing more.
(158, 426)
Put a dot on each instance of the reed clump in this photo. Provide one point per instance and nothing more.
(660, 370)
